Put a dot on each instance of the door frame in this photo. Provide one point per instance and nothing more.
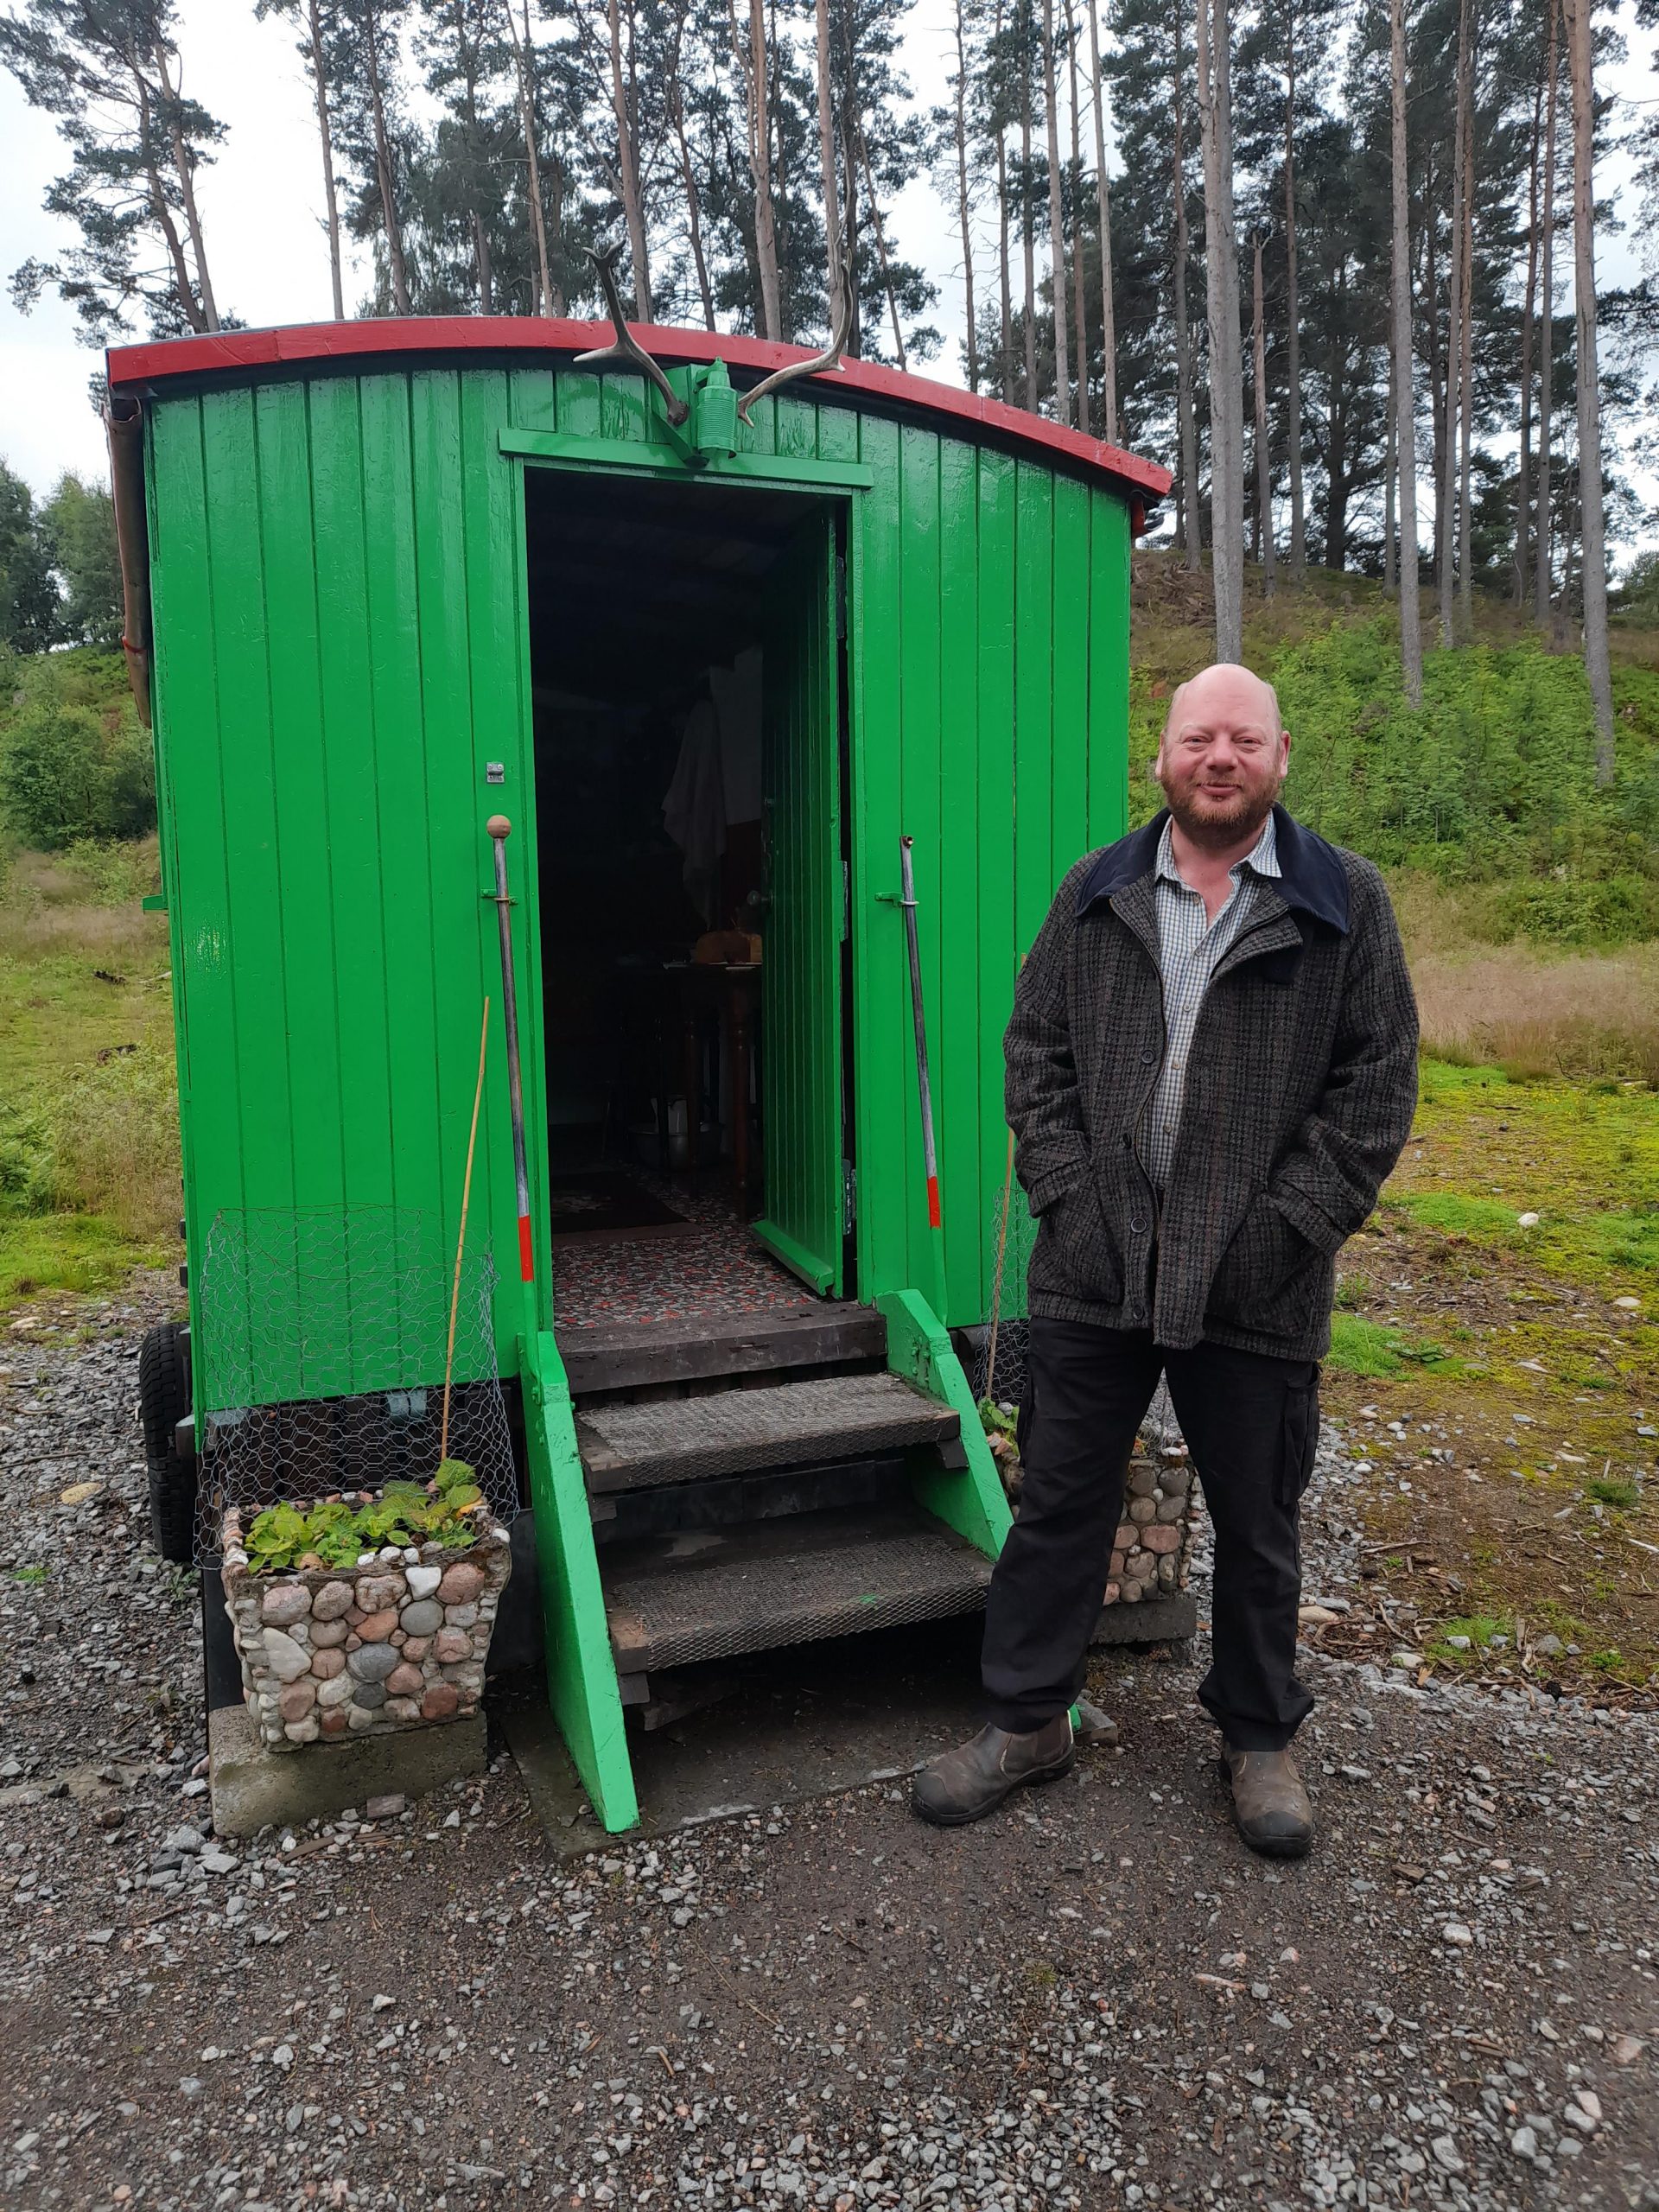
(837, 480)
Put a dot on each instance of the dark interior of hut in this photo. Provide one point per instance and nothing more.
(648, 622)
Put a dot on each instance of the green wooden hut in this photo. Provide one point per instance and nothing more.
(388, 579)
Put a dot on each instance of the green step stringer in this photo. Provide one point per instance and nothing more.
(970, 1500)
(581, 1685)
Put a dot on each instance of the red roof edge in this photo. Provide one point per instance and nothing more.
(233, 350)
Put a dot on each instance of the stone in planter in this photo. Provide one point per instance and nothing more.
(319, 1662)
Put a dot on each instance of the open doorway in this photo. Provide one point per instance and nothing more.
(690, 744)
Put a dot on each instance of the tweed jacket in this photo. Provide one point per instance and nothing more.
(1300, 1087)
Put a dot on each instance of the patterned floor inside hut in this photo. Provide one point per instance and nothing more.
(713, 1268)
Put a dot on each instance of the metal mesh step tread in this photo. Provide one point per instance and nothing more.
(736, 1431)
(714, 1595)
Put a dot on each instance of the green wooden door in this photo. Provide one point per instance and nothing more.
(801, 1047)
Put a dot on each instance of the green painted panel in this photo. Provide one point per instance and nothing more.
(884, 1066)
(800, 1061)
(1035, 735)
(341, 652)
(993, 661)
(921, 772)
(1109, 765)
(958, 1017)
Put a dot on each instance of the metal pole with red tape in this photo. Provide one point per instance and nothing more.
(930, 1155)
(500, 829)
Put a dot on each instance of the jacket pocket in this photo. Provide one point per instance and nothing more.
(1268, 1276)
(1076, 1254)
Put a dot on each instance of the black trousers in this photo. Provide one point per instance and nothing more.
(1251, 1424)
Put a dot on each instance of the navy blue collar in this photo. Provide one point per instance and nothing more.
(1312, 877)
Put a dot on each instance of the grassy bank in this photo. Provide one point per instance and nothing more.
(89, 1185)
(1496, 1354)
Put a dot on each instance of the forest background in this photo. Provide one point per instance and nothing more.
(1332, 261)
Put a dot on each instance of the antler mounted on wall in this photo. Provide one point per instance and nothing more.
(841, 331)
(625, 346)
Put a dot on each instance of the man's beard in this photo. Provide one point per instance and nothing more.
(1221, 825)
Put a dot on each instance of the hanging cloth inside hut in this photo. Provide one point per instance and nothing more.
(694, 810)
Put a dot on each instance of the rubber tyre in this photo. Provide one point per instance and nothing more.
(164, 1401)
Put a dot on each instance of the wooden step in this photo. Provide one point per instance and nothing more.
(714, 1594)
(738, 1432)
(625, 1355)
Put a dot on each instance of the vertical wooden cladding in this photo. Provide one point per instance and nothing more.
(338, 572)
(991, 724)
(801, 1072)
(335, 566)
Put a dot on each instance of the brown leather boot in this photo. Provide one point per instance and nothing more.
(1269, 1802)
(973, 1780)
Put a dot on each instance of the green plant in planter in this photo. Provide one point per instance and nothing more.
(337, 1531)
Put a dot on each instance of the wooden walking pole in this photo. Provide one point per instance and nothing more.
(460, 1241)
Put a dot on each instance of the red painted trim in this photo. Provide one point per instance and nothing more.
(526, 1257)
(241, 350)
(935, 1218)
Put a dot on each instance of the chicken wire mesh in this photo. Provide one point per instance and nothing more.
(1000, 1369)
(324, 1335)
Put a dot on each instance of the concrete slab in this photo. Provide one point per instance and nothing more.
(807, 1722)
(804, 1723)
(1154, 1620)
(253, 1786)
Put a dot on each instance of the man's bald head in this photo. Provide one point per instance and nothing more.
(1223, 756)
(1227, 684)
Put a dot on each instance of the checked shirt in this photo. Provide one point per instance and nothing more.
(1189, 946)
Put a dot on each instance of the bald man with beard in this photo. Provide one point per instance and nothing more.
(1211, 1068)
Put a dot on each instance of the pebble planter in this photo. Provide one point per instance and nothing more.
(1152, 1549)
(328, 1653)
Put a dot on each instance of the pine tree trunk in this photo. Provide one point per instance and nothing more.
(320, 86)
(1226, 382)
(1405, 402)
(961, 192)
(1186, 410)
(184, 290)
(524, 67)
(827, 152)
(187, 187)
(385, 183)
(882, 250)
(627, 153)
(1292, 318)
(765, 226)
(1447, 520)
(1466, 400)
(1391, 561)
(1524, 465)
(1027, 215)
(1002, 217)
(675, 104)
(1056, 224)
(1544, 523)
(849, 215)
(1103, 201)
(1263, 456)
(1079, 290)
(466, 61)
(1592, 519)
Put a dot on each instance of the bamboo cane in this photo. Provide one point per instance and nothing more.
(460, 1241)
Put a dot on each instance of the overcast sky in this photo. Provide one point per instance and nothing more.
(262, 200)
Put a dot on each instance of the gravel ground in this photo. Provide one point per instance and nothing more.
(1097, 1999)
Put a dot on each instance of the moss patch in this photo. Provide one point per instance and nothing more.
(1517, 1486)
